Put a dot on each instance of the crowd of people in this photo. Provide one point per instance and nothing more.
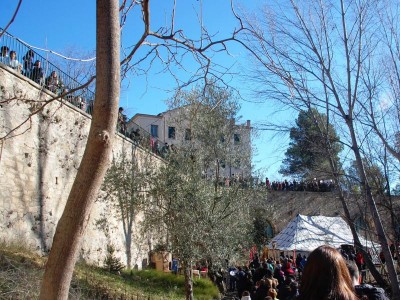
(324, 274)
(33, 69)
(30, 68)
(314, 185)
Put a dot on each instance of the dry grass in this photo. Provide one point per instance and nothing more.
(21, 272)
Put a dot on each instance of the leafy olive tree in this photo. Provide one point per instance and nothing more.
(205, 215)
(125, 189)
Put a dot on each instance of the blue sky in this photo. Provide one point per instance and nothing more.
(59, 25)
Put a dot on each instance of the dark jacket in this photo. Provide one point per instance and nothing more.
(373, 293)
(261, 293)
(37, 74)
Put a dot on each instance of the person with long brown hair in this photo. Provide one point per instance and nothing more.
(326, 276)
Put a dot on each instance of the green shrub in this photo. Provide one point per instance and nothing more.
(111, 262)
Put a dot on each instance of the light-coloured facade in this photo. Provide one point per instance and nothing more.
(169, 128)
(38, 166)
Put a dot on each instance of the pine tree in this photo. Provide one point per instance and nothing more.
(111, 262)
(307, 155)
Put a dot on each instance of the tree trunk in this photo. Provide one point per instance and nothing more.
(335, 173)
(375, 215)
(188, 281)
(128, 246)
(374, 272)
(95, 161)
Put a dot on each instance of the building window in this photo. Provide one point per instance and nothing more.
(188, 134)
(171, 132)
(154, 131)
(236, 138)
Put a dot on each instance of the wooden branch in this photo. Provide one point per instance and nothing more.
(12, 18)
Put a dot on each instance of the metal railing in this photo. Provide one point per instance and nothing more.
(83, 98)
(144, 139)
(27, 57)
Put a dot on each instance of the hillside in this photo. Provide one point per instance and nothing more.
(21, 272)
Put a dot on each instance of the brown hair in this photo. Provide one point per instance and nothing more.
(326, 276)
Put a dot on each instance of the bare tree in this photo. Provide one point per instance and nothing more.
(317, 53)
(95, 160)
(341, 178)
(12, 18)
(81, 70)
(382, 109)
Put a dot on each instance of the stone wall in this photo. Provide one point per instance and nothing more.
(38, 163)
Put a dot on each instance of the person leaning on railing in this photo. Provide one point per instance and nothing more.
(89, 107)
(121, 124)
(4, 58)
(82, 103)
(14, 63)
(53, 83)
(135, 136)
(37, 74)
(28, 62)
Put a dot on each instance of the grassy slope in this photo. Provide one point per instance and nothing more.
(21, 272)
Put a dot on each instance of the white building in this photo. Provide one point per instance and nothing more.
(168, 130)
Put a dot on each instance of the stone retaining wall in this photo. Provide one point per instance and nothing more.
(38, 163)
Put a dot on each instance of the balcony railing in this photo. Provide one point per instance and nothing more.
(82, 98)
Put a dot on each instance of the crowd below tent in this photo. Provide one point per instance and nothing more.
(273, 273)
(326, 273)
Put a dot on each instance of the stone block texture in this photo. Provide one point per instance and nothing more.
(40, 153)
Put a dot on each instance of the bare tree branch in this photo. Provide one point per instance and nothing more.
(12, 18)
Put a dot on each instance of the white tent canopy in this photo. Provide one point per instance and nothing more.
(305, 233)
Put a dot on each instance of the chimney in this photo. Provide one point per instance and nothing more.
(248, 123)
